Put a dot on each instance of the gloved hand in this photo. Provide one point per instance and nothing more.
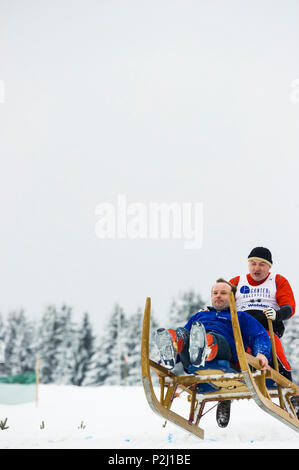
(270, 313)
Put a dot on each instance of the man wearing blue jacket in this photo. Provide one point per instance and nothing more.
(209, 335)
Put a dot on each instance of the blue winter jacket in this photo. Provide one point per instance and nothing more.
(253, 333)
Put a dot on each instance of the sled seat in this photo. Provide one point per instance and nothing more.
(214, 367)
(219, 381)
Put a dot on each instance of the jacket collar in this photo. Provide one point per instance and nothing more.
(225, 310)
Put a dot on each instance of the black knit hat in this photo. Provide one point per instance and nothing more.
(261, 253)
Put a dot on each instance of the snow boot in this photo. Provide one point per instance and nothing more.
(202, 346)
(169, 345)
(212, 347)
(223, 413)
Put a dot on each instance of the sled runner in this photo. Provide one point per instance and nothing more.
(216, 382)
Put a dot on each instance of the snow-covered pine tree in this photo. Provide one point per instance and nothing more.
(133, 347)
(66, 344)
(132, 360)
(96, 373)
(290, 342)
(183, 307)
(105, 368)
(56, 340)
(47, 344)
(115, 346)
(20, 353)
(2, 345)
(84, 351)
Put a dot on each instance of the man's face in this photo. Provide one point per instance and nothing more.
(220, 295)
(258, 269)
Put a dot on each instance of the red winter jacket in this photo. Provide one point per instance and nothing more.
(284, 297)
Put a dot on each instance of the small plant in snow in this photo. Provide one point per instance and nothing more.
(3, 424)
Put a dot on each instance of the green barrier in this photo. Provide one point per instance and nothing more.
(26, 378)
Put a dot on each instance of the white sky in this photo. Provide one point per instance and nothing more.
(160, 100)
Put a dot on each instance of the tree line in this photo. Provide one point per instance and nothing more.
(73, 354)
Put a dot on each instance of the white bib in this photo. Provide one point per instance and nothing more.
(256, 297)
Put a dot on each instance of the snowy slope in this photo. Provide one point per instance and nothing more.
(120, 418)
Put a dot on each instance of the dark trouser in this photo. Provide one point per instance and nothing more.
(281, 369)
(278, 326)
(283, 364)
(224, 350)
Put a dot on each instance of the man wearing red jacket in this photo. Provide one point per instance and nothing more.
(263, 295)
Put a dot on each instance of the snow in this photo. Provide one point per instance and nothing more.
(119, 417)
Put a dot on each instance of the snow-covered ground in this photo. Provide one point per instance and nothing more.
(120, 418)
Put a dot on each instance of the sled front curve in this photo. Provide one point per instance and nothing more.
(154, 403)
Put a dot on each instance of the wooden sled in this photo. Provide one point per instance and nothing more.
(217, 382)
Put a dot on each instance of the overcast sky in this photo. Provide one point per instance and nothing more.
(161, 101)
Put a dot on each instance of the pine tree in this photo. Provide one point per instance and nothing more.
(84, 351)
(96, 373)
(133, 347)
(66, 345)
(56, 340)
(183, 307)
(105, 368)
(132, 360)
(47, 344)
(115, 347)
(20, 353)
(2, 345)
(290, 342)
